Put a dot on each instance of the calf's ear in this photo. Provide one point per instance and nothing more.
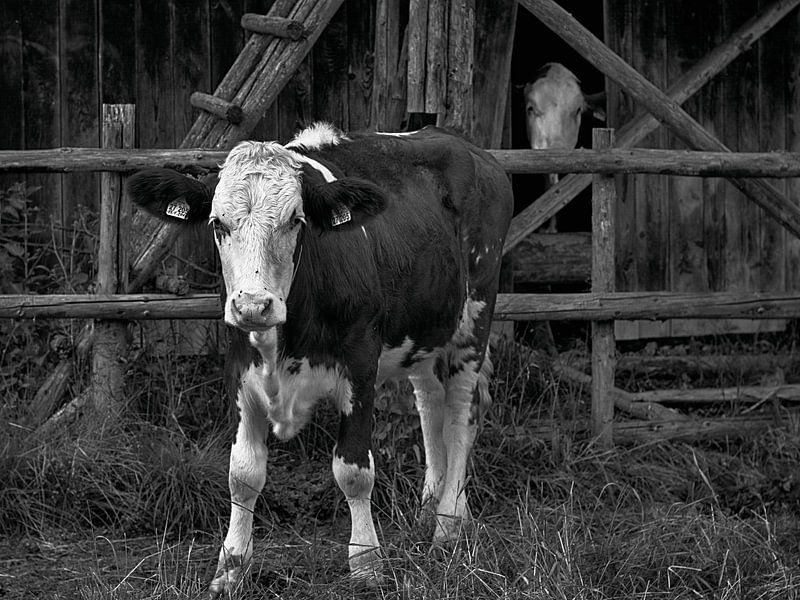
(172, 197)
(340, 204)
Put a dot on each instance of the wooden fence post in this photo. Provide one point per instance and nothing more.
(603, 273)
(110, 344)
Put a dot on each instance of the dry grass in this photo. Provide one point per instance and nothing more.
(140, 513)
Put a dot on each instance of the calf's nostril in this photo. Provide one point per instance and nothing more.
(267, 308)
(235, 306)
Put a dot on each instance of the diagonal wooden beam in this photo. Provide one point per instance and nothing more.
(715, 61)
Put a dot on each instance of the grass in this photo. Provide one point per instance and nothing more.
(141, 513)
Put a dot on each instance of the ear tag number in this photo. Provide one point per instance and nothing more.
(179, 209)
(341, 214)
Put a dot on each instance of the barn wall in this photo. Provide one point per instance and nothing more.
(62, 59)
(694, 234)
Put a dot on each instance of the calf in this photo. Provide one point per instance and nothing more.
(348, 260)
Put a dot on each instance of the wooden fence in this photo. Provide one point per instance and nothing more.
(602, 306)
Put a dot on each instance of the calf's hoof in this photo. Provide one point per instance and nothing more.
(228, 578)
(448, 529)
(366, 566)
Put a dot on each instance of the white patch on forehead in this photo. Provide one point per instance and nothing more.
(261, 178)
(317, 136)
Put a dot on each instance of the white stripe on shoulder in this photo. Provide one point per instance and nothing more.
(325, 171)
(397, 133)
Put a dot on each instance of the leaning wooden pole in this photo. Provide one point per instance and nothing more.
(110, 347)
(706, 69)
(603, 273)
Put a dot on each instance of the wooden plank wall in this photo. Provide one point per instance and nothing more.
(692, 234)
(62, 59)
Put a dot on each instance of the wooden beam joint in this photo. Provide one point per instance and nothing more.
(218, 107)
(274, 26)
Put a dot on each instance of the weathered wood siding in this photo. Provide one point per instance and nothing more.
(62, 59)
(692, 234)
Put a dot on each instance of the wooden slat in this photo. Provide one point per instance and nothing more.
(330, 67)
(41, 92)
(436, 57)
(686, 32)
(417, 48)
(791, 46)
(544, 258)
(11, 83)
(653, 206)
(386, 110)
(517, 307)
(604, 202)
(80, 110)
(494, 41)
(360, 48)
(118, 45)
(226, 38)
(460, 60)
(772, 75)
(641, 160)
(155, 94)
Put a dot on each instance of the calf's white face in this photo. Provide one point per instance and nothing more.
(256, 214)
(554, 104)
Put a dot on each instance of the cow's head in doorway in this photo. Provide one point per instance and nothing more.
(554, 106)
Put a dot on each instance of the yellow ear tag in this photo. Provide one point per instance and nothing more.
(341, 214)
(179, 209)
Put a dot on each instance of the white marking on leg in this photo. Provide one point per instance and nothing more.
(460, 428)
(246, 478)
(459, 435)
(356, 483)
(430, 395)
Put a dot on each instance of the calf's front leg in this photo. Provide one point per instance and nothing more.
(354, 472)
(246, 478)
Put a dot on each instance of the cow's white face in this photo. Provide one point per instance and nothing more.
(554, 104)
(257, 213)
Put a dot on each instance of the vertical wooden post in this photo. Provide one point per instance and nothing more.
(603, 346)
(110, 345)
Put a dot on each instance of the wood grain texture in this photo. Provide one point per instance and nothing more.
(79, 46)
(42, 93)
(604, 204)
(517, 307)
(11, 83)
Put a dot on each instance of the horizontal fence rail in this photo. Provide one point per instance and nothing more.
(510, 307)
(615, 160)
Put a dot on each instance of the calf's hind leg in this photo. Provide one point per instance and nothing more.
(467, 394)
(429, 394)
(246, 479)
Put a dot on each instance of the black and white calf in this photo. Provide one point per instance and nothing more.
(349, 260)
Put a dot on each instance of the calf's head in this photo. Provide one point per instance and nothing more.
(264, 198)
